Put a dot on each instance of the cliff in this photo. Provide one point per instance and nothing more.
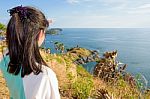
(108, 81)
(76, 83)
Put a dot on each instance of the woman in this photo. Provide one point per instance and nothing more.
(26, 73)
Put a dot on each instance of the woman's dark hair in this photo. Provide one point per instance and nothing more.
(22, 39)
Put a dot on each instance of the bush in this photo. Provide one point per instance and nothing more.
(84, 85)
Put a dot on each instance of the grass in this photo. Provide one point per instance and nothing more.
(78, 52)
(76, 83)
(82, 85)
(4, 92)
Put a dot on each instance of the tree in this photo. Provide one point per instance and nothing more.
(59, 46)
(2, 29)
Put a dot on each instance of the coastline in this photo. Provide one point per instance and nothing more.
(74, 76)
(76, 82)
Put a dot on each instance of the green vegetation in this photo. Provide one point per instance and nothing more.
(76, 83)
(83, 86)
(2, 29)
(59, 46)
(141, 82)
(106, 83)
(79, 52)
(1, 48)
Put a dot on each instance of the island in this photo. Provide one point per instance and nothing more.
(54, 31)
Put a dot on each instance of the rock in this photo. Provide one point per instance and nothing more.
(110, 55)
(48, 51)
(80, 61)
(90, 59)
(84, 59)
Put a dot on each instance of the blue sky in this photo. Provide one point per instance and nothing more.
(87, 13)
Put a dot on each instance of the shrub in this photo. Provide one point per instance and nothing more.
(83, 86)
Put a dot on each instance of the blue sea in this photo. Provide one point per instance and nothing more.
(132, 44)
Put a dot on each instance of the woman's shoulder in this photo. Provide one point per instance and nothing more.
(50, 74)
(53, 82)
(48, 71)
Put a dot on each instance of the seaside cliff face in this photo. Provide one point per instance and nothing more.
(76, 83)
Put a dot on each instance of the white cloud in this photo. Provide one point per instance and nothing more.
(79, 1)
(114, 13)
(144, 6)
(73, 1)
(103, 21)
(141, 9)
(92, 17)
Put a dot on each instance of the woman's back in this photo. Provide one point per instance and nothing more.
(14, 83)
(26, 73)
(43, 86)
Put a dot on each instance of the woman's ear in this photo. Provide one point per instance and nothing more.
(41, 37)
(41, 33)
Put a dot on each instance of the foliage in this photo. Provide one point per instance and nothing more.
(2, 29)
(84, 85)
(102, 94)
(141, 82)
(59, 46)
(109, 69)
(80, 52)
(123, 90)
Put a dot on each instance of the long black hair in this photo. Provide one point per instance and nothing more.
(22, 39)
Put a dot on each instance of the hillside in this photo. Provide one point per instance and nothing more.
(76, 83)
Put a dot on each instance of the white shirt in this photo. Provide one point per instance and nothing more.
(41, 86)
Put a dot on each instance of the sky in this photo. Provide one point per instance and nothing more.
(87, 13)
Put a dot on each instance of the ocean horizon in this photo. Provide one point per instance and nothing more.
(132, 44)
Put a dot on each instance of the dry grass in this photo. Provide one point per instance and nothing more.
(4, 92)
(67, 73)
(62, 66)
(79, 52)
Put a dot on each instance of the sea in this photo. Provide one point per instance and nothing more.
(132, 44)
